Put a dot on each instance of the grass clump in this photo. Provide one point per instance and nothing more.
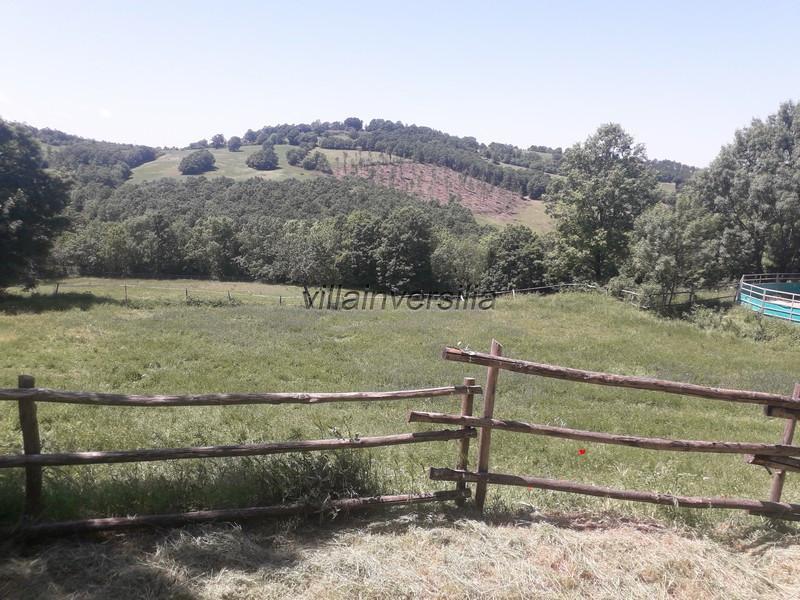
(313, 479)
(744, 323)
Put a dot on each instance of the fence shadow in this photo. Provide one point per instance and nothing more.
(164, 562)
(306, 478)
(13, 304)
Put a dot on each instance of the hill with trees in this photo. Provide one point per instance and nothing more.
(501, 183)
(611, 221)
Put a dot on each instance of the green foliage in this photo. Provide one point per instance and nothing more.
(263, 160)
(31, 202)
(670, 171)
(354, 123)
(514, 260)
(675, 248)
(197, 162)
(742, 322)
(459, 261)
(403, 258)
(234, 143)
(317, 162)
(605, 185)
(423, 144)
(295, 156)
(319, 231)
(753, 186)
(250, 137)
(218, 141)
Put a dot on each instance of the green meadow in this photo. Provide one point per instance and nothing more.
(263, 339)
(228, 164)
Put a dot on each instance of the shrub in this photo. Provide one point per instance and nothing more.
(295, 156)
(264, 159)
(197, 162)
(317, 162)
(234, 143)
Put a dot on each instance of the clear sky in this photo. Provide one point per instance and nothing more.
(680, 76)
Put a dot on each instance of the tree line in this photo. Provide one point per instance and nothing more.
(323, 231)
(523, 171)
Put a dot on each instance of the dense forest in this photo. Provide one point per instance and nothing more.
(319, 231)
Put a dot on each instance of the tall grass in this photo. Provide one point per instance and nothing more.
(166, 346)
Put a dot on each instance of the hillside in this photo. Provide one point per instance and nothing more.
(228, 164)
(489, 203)
(498, 183)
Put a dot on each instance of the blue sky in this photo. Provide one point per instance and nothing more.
(680, 76)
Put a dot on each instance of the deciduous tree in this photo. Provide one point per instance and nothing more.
(605, 185)
(218, 141)
(234, 143)
(31, 202)
(754, 186)
(197, 162)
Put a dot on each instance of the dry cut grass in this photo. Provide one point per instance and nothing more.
(420, 555)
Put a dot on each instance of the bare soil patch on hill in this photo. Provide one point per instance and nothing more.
(437, 183)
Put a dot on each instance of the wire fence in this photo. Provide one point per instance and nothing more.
(233, 293)
(127, 291)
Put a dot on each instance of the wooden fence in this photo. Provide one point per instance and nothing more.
(32, 459)
(781, 457)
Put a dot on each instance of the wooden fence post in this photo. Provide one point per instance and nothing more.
(779, 476)
(463, 444)
(485, 438)
(31, 444)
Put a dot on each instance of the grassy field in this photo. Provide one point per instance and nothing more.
(533, 542)
(532, 215)
(670, 189)
(349, 158)
(228, 164)
(160, 344)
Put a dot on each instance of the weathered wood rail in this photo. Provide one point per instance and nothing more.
(623, 381)
(238, 514)
(104, 399)
(783, 457)
(781, 509)
(33, 460)
(607, 438)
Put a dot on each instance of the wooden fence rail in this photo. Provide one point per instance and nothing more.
(105, 399)
(238, 514)
(781, 509)
(623, 381)
(777, 450)
(159, 454)
(781, 457)
(32, 459)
